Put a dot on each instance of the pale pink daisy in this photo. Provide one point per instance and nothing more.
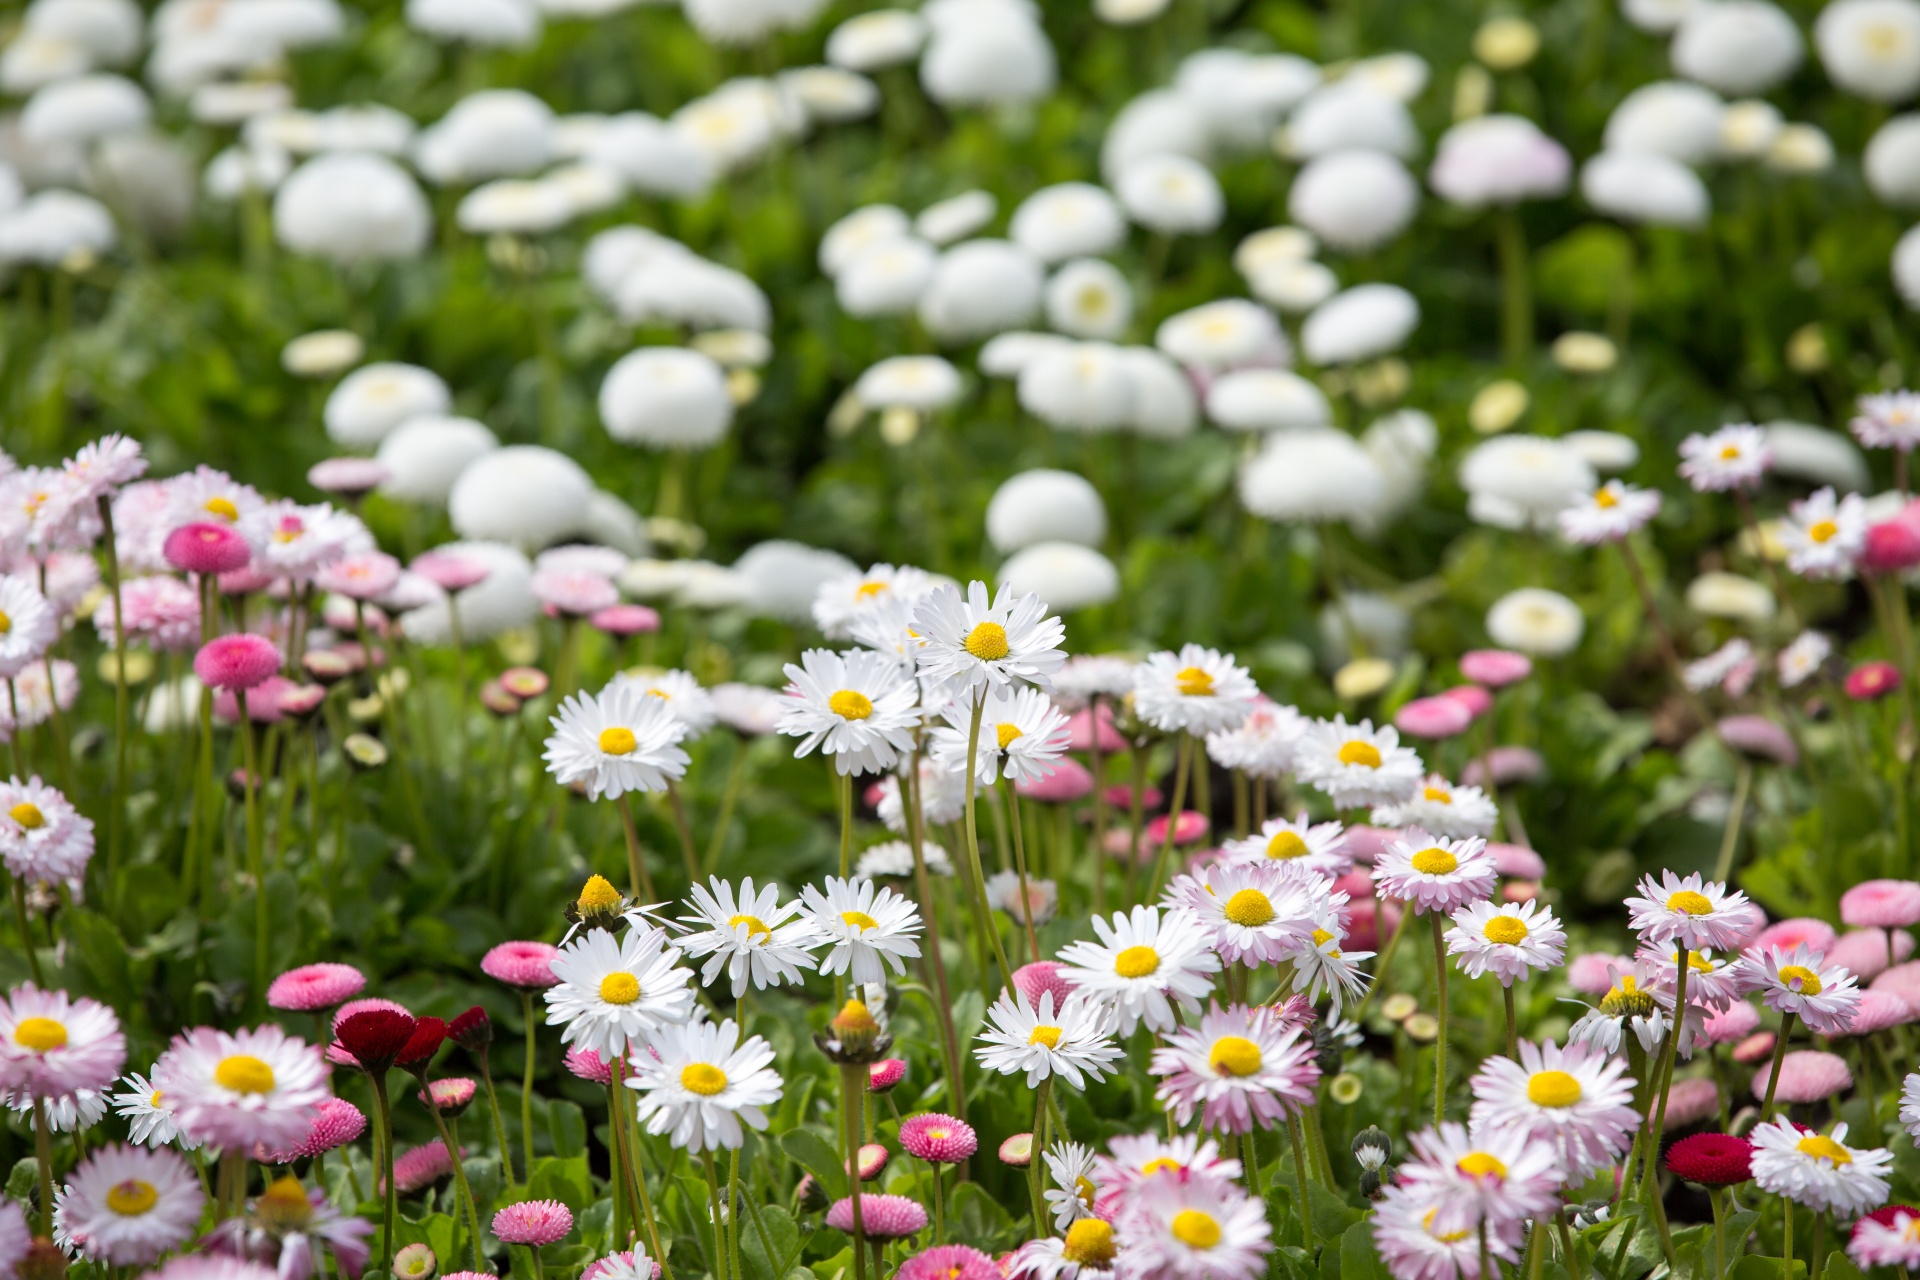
(162, 611)
(1236, 1067)
(1796, 982)
(526, 965)
(1510, 941)
(1487, 1174)
(125, 1206)
(881, 1217)
(1253, 912)
(1889, 420)
(1689, 911)
(238, 1090)
(1734, 457)
(1434, 873)
(1320, 847)
(1893, 1243)
(1188, 1226)
(53, 1046)
(1577, 1097)
(42, 836)
(1413, 1245)
(1133, 1158)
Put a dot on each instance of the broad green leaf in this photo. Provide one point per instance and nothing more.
(566, 1128)
(1332, 1215)
(561, 1178)
(1358, 1258)
(811, 1152)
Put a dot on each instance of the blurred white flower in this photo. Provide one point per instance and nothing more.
(1066, 575)
(1892, 162)
(1157, 122)
(1044, 505)
(514, 206)
(1363, 322)
(998, 55)
(1068, 220)
(84, 109)
(1641, 186)
(876, 40)
(1537, 621)
(1089, 298)
(1351, 115)
(495, 133)
(1243, 95)
(652, 156)
(922, 383)
(1871, 47)
(1499, 159)
(489, 23)
(666, 398)
(352, 207)
(1312, 476)
(1354, 200)
(525, 495)
(376, 398)
(425, 455)
(956, 217)
(1737, 46)
(979, 288)
(1266, 400)
(1523, 481)
(502, 601)
(1728, 595)
(1164, 405)
(1670, 118)
(1906, 268)
(863, 229)
(1172, 195)
(1228, 334)
(887, 278)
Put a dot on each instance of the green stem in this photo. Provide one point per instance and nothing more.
(256, 861)
(736, 774)
(733, 1218)
(852, 1081)
(461, 1186)
(973, 852)
(383, 1117)
(1385, 959)
(1715, 1197)
(1773, 1076)
(1513, 1041)
(526, 1090)
(639, 883)
(719, 1232)
(121, 737)
(1730, 837)
(685, 830)
(1516, 291)
(43, 1154)
(1182, 768)
(1440, 1044)
(499, 1121)
(843, 784)
(1301, 1205)
(27, 948)
(1020, 862)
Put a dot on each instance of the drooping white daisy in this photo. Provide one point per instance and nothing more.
(125, 1206)
(1319, 847)
(1357, 764)
(617, 993)
(1025, 899)
(1825, 533)
(1072, 1195)
(685, 698)
(1802, 660)
(843, 599)
(858, 707)
(1608, 514)
(1253, 912)
(1022, 734)
(1823, 997)
(27, 625)
(616, 741)
(1197, 690)
(1433, 873)
(1818, 1171)
(1323, 966)
(751, 934)
(1577, 1097)
(866, 928)
(1262, 745)
(1690, 911)
(1510, 941)
(149, 1114)
(1143, 964)
(1193, 1228)
(1073, 1041)
(701, 1081)
(1442, 809)
(973, 642)
(1734, 457)
(233, 1091)
(1498, 1176)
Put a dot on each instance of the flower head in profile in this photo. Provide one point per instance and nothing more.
(1510, 941)
(616, 741)
(1073, 1193)
(1734, 457)
(148, 1113)
(1071, 1040)
(974, 642)
(1690, 911)
(1887, 1237)
(1357, 764)
(865, 928)
(751, 935)
(1144, 964)
(1197, 690)
(1608, 514)
(1022, 735)
(1817, 1170)
(613, 994)
(1433, 873)
(1323, 965)
(702, 1081)
(1235, 1068)
(101, 466)
(1440, 808)
(858, 707)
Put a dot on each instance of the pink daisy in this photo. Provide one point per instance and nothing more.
(162, 611)
(1806, 1075)
(1236, 1067)
(1797, 931)
(363, 577)
(1691, 1101)
(1863, 952)
(348, 477)
(1434, 873)
(1133, 1158)
(420, 1168)
(533, 1223)
(1757, 1047)
(631, 1265)
(1041, 977)
(572, 593)
(315, 986)
(337, 1123)
(1689, 911)
(237, 1090)
(1877, 1011)
(588, 1065)
(449, 570)
(624, 620)
(206, 549)
(53, 1046)
(239, 661)
(1902, 980)
(881, 1217)
(15, 1236)
(1579, 1097)
(1892, 1241)
(1497, 1176)
(1736, 1023)
(526, 965)
(949, 1262)
(885, 1075)
(1495, 668)
(1885, 904)
(1591, 974)
(938, 1139)
(211, 1266)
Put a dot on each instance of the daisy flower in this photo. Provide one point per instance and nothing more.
(1191, 1227)
(1236, 1067)
(1910, 1104)
(1818, 1171)
(1802, 660)
(149, 1114)
(1413, 1245)
(1713, 982)
(943, 796)
(1890, 420)
(1196, 690)
(631, 1264)
(1509, 941)
(1072, 1195)
(842, 600)
(125, 1206)
(1442, 809)
(1825, 533)
(1262, 746)
(302, 541)
(1087, 676)
(237, 1090)
(1722, 666)
(1690, 911)
(752, 935)
(1357, 764)
(1734, 457)
(100, 466)
(1253, 912)
(701, 1081)
(1133, 1158)
(1320, 847)
(1488, 1174)
(1021, 734)
(1636, 1001)
(1087, 1252)
(1143, 964)
(27, 625)
(1893, 1243)
(888, 630)
(1024, 899)
(1794, 982)
(686, 698)
(42, 836)
(53, 1046)
(1576, 1097)
(971, 643)
(1435, 873)
(894, 858)
(858, 707)
(613, 994)
(1072, 1041)
(1608, 514)
(616, 741)
(865, 928)
(1325, 967)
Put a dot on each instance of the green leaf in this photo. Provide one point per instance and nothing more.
(1756, 1267)
(1332, 1215)
(810, 1151)
(1840, 1267)
(561, 1178)
(567, 1128)
(783, 1237)
(1358, 1259)
(20, 1183)
(981, 1220)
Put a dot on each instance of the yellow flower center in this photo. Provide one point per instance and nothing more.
(6, 623)
(598, 894)
(1322, 937)
(703, 1079)
(755, 928)
(1437, 795)
(1821, 1147)
(1689, 903)
(1435, 862)
(1358, 752)
(1823, 531)
(1506, 930)
(244, 1073)
(870, 588)
(1797, 977)
(1729, 452)
(850, 704)
(1195, 1229)
(620, 988)
(1449, 1237)
(1048, 1036)
(860, 920)
(1699, 963)
(1163, 1164)
(222, 507)
(618, 741)
(1084, 1188)
(1287, 844)
(1090, 1244)
(1478, 1164)
(1552, 1089)
(1193, 682)
(1006, 731)
(1885, 38)
(1235, 1056)
(132, 1198)
(1249, 908)
(988, 642)
(28, 816)
(1604, 499)
(1137, 962)
(41, 1035)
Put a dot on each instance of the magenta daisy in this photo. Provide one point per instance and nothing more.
(1237, 1067)
(242, 1089)
(937, 1139)
(315, 986)
(1433, 873)
(53, 1046)
(881, 1217)
(526, 965)
(1577, 1097)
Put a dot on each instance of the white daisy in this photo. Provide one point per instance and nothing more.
(943, 796)
(1086, 1252)
(1196, 690)
(27, 625)
(237, 1090)
(858, 707)
(1072, 1194)
(973, 643)
(1510, 941)
(615, 742)
(1487, 1174)
(1795, 982)
(1093, 675)
(1690, 911)
(1608, 514)
(1357, 764)
(701, 1081)
(888, 628)
(1577, 1097)
(1819, 1171)
(867, 928)
(1910, 1104)
(1321, 964)
(1802, 660)
(1193, 1229)
(613, 994)
(76, 1112)
(1073, 1042)
(1254, 912)
(843, 599)
(1035, 901)
(1133, 1158)
(125, 1206)
(1890, 420)
(1825, 533)
(1143, 965)
(1443, 809)
(894, 859)
(1021, 734)
(751, 934)
(686, 698)
(1319, 847)
(149, 1114)
(1262, 745)
(1433, 873)
(1713, 982)
(1734, 457)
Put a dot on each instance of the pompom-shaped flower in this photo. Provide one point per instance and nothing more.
(238, 1090)
(701, 1081)
(938, 1139)
(53, 1046)
(1197, 690)
(881, 1217)
(315, 986)
(1711, 1159)
(1236, 1068)
(1434, 873)
(207, 548)
(533, 1223)
(1499, 159)
(236, 662)
(1819, 1171)
(125, 1206)
(617, 741)
(526, 965)
(666, 398)
(858, 707)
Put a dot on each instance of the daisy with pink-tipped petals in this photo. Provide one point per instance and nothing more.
(53, 1046)
(1320, 847)
(1253, 912)
(242, 1089)
(938, 1139)
(1577, 1098)
(1796, 982)
(1187, 1226)
(1510, 941)
(1690, 911)
(1236, 1068)
(1490, 1174)
(1433, 873)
